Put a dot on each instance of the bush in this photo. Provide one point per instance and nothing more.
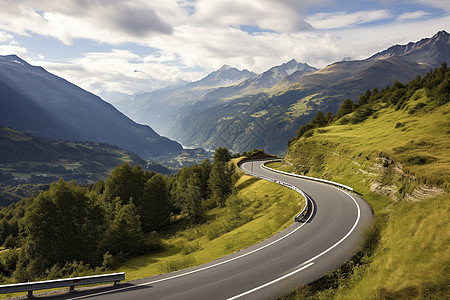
(420, 160)
(417, 107)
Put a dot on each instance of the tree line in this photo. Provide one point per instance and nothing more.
(72, 228)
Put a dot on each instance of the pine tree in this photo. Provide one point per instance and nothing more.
(346, 107)
(154, 208)
(221, 177)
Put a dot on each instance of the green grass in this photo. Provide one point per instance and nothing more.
(303, 105)
(259, 113)
(413, 257)
(403, 172)
(363, 146)
(266, 208)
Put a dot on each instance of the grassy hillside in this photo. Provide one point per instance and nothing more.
(393, 149)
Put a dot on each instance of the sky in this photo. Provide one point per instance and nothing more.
(116, 47)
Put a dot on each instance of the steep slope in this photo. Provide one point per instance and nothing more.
(37, 102)
(393, 149)
(267, 120)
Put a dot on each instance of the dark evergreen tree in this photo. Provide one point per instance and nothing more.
(364, 98)
(346, 107)
(124, 235)
(62, 224)
(319, 120)
(222, 154)
(154, 208)
(221, 177)
(126, 183)
(194, 199)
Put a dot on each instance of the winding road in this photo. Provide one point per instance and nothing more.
(301, 254)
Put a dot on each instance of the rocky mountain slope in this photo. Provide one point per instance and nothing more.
(37, 102)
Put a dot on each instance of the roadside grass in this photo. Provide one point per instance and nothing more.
(279, 165)
(257, 211)
(413, 257)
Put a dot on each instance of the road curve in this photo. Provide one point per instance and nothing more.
(302, 253)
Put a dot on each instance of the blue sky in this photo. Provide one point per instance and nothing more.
(111, 47)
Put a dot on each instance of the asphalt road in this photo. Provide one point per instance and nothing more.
(301, 254)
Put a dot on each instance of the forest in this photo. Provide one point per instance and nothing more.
(71, 229)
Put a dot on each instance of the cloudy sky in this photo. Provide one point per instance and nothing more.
(126, 46)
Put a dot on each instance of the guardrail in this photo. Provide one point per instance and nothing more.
(307, 177)
(305, 209)
(66, 282)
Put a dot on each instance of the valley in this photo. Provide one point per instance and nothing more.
(88, 189)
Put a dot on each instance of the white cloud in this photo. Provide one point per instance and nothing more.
(116, 71)
(107, 21)
(413, 15)
(5, 37)
(199, 35)
(279, 16)
(343, 19)
(9, 46)
(370, 40)
(8, 49)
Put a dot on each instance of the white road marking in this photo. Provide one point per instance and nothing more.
(271, 282)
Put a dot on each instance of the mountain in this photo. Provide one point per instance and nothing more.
(268, 119)
(264, 81)
(434, 50)
(224, 76)
(37, 102)
(160, 107)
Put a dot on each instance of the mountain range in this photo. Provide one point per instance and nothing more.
(160, 108)
(233, 108)
(39, 103)
(248, 110)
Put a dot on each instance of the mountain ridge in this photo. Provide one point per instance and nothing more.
(157, 107)
(39, 103)
(433, 54)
